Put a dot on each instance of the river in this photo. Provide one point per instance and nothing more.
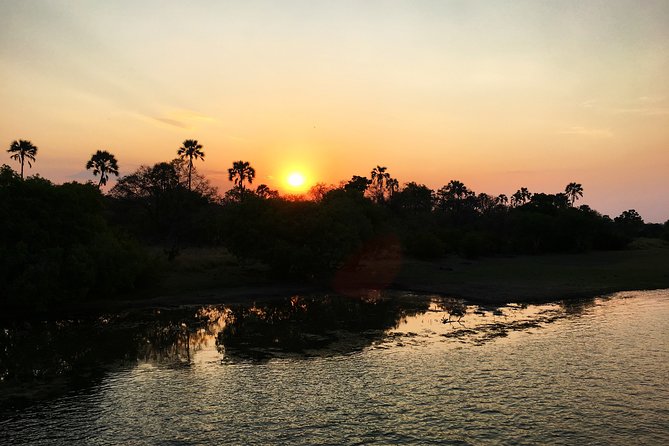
(383, 368)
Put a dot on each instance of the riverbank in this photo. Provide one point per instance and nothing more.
(209, 276)
(201, 276)
(541, 278)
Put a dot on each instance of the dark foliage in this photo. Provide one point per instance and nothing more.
(302, 238)
(155, 204)
(63, 243)
(56, 245)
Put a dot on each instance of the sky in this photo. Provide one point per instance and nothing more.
(497, 94)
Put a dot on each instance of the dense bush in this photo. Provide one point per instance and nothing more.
(56, 245)
(64, 242)
(302, 238)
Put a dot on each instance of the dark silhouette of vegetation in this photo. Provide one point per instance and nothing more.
(56, 245)
(630, 222)
(574, 191)
(23, 151)
(382, 186)
(520, 197)
(357, 184)
(72, 242)
(264, 191)
(318, 191)
(104, 164)
(190, 150)
(239, 172)
(155, 204)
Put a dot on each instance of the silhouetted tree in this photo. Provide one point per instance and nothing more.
(8, 176)
(379, 183)
(103, 163)
(547, 203)
(393, 186)
(160, 178)
(521, 197)
(56, 245)
(154, 203)
(264, 191)
(630, 216)
(413, 198)
(23, 151)
(199, 184)
(485, 203)
(573, 191)
(189, 150)
(457, 190)
(453, 196)
(357, 184)
(239, 172)
(630, 222)
(318, 191)
(502, 200)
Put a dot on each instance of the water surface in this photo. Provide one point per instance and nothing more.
(379, 369)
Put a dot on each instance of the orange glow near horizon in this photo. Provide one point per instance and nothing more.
(499, 98)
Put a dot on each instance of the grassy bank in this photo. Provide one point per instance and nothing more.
(200, 276)
(539, 278)
(206, 275)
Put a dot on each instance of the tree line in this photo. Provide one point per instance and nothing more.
(83, 243)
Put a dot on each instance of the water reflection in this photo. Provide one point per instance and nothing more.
(175, 336)
(379, 369)
(41, 358)
(317, 325)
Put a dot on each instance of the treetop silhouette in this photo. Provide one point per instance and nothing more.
(103, 163)
(190, 150)
(239, 172)
(573, 191)
(23, 151)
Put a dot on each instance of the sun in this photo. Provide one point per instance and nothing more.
(295, 180)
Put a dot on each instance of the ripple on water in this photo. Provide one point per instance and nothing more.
(394, 371)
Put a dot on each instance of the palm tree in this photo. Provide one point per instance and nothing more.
(521, 197)
(190, 149)
(380, 180)
(239, 172)
(23, 150)
(104, 164)
(393, 186)
(573, 191)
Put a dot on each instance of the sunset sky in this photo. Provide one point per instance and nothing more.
(496, 94)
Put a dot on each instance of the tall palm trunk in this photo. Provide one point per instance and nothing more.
(102, 177)
(190, 170)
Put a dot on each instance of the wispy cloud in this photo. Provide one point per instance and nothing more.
(652, 99)
(587, 132)
(172, 122)
(643, 106)
(184, 119)
(644, 111)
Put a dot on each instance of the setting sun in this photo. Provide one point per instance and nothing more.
(295, 180)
